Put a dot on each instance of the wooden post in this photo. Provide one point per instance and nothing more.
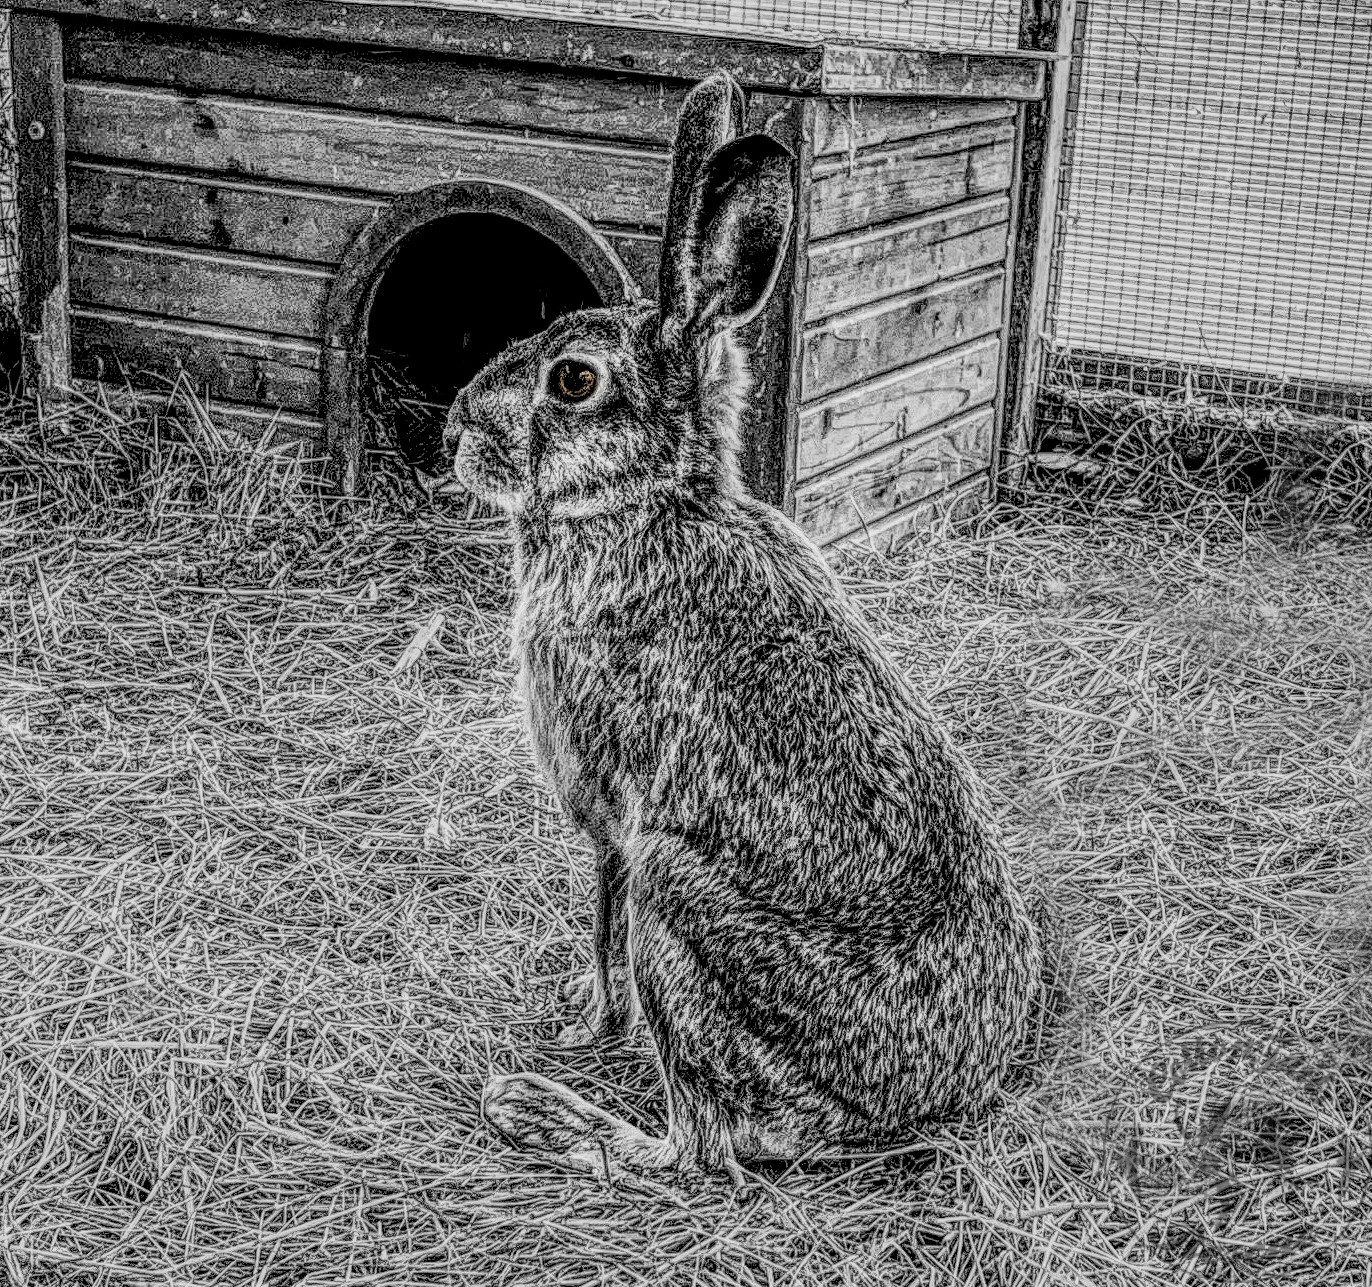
(1046, 26)
(39, 124)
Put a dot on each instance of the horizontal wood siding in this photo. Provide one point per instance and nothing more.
(858, 269)
(221, 362)
(286, 299)
(854, 347)
(265, 219)
(847, 125)
(910, 225)
(487, 95)
(351, 150)
(217, 183)
(926, 173)
(837, 504)
(896, 407)
(256, 219)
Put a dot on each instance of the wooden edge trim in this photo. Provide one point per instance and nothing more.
(41, 200)
(1039, 157)
(859, 69)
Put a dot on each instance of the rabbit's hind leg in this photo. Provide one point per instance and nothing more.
(547, 1118)
(603, 997)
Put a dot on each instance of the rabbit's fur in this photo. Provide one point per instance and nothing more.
(799, 882)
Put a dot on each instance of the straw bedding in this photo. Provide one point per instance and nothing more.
(281, 887)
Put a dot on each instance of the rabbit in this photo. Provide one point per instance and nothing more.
(799, 883)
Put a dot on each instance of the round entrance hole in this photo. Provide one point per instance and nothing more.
(454, 294)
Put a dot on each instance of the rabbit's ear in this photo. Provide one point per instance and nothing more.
(731, 250)
(711, 115)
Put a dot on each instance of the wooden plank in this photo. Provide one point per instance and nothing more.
(957, 501)
(848, 125)
(1049, 24)
(777, 63)
(217, 362)
(350, 150)
(255, 219)
(857, 69)
(233, 290)
(925, 174)
(490, 95)
(836, 504)
(854, 347)
(263, 219)
(906, 256)
(41, 200)
(902, 405)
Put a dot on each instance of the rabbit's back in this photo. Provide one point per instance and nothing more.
(700, 675)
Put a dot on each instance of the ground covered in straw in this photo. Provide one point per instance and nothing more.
(280, 889)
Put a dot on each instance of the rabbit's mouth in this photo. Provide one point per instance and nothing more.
(482, 461)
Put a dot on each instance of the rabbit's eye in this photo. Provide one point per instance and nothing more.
(573, 381)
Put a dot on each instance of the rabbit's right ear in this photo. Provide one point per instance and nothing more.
(728, 216)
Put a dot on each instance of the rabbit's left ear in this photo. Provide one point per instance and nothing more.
(737, 227)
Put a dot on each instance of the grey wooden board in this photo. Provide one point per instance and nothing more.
(854, 347)
(220, 362)
(41, 201)
(357, 151)
(835, 504)
(888, 184)
(262, 219)
(171, 281)
(895, 258)
(219, 213)
(847, 125)
(771, 62)
(903, 404)
(487, 95)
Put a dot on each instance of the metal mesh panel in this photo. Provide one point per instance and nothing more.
(1215, 221)
(955, 24)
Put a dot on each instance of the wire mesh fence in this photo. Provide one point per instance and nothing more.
(1214, 231)
(955, 24)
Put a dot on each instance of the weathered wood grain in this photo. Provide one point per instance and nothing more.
(218, 362)
(584, 44)
(901, 257)
(957, 501)
(847, 125)
(489, 95)
(266, 219)
(835, 504)
(233, 290)
(898, 406)
(858, 69)
(855, 347)
(41, 198)
(255, 219)
(351, 150)
(887, 184)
